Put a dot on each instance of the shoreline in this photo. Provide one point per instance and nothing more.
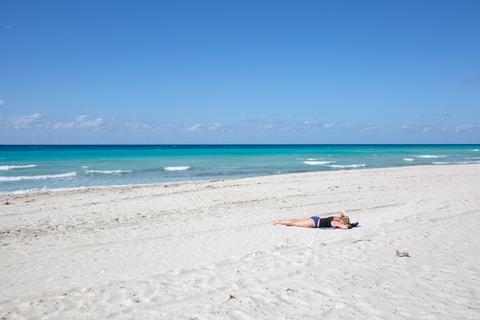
(170, 183)
(182, 251)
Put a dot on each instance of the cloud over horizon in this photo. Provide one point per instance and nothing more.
(86, 122)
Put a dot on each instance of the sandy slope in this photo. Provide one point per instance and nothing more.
(209, 251)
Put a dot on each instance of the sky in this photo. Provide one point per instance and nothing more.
(221, 72)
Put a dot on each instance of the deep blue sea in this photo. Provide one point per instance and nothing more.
(29, 168)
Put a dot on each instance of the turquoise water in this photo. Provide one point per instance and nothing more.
(28, 168)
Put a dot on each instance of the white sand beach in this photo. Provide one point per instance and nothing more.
(209, 250)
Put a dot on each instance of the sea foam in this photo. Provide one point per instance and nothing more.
(429, 156)
(455, 162)
(107, 171)
(178, 168)
(408, 159)
(346, 166)
(317, 163)
(5, 168)
(40, 177)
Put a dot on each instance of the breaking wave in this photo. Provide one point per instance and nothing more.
(317, 163)
(455, 162)
(178, 168)
(346, 166)
(40, 177)
(5, 168)
(107, 171)
(430, 156)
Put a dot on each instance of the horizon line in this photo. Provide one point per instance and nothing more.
(243, 144)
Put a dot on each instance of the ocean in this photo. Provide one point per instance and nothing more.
(45, 167)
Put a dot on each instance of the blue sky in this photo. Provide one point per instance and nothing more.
(239, 71)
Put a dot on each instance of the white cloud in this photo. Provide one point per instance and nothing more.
(83, 121)
(433, 129)
(63, 125)
(327, 125)
(265, 126)
(81, 118)
(350, 126)
(466, 127)
(139, 125)
(427, 129)
(195, 127)
(2, 103)
(36, 120)
(25, 122)
(89, 123)
(215, 126)
(300, 125)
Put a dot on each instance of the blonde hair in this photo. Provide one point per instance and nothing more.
(344, 218)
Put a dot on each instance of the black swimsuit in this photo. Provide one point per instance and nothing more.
(322, 222)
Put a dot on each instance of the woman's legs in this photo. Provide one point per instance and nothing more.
(305, 223)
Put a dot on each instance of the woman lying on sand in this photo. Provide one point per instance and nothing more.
(341, 221)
